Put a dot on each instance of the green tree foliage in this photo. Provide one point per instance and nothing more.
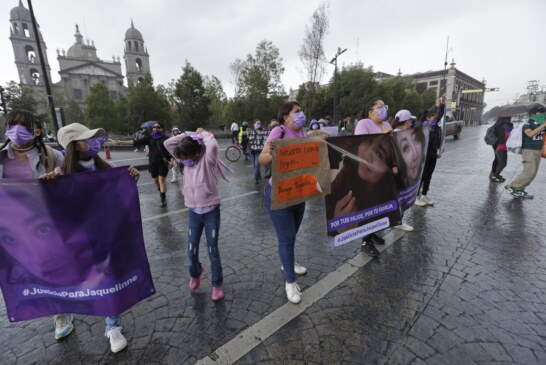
(73, 113)
(258, 83)
(218, 100)
(122, 109)
(100, 111)
(193, 100)
(19, 97)
(145, 104)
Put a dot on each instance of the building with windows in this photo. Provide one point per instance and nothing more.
(79, 67)
(464, 106)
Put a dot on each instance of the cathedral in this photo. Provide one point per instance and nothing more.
(79, 66)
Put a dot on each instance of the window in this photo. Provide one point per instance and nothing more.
(140, 79)
(113, 94)
(431, 83)
(31, 55)
(15, 28)
(25, 30)
(138, 64)
(129, 45)
(78, 95)
(136, 46)
(35, 76)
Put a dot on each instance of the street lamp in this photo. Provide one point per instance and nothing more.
(334, 62)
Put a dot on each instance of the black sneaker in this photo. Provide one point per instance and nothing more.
(375, 238)
(369, 247)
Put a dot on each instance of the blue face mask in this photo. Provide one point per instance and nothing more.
(189, 163)
(93, 146)
(299, 120)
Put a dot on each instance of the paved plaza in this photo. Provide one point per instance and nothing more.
(468, 286)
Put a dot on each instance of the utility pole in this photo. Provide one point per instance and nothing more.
(50, 103)
(334, 62)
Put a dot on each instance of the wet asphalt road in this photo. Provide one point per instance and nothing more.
(467, 286)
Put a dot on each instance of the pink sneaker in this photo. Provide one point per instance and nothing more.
(195, 282)
(217, 292)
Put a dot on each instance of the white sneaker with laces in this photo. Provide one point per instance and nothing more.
(298, 269)
(293, 292)
(117, 340)
(405, 227)
(427, 200)
(420, 202)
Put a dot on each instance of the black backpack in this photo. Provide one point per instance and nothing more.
(491, 136)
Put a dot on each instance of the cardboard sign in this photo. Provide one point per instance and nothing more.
(300, 171)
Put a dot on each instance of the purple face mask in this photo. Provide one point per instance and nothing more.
(188, 163)
(19, 135)
(93, 146)
(299, 120)
(156, 134)
(258, 126)
(382, 113)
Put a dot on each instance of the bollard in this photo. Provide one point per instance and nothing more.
(107, 151)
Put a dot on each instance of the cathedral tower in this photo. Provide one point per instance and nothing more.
(136, 56)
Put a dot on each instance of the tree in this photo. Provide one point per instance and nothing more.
(100, 111)
(145, 104)
(73, 113)
(312, 53)
(194, 102)
(19, 97)
(122, 109)
(356, 85)
(217, 97)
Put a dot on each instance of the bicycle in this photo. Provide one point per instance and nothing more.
(234, 152)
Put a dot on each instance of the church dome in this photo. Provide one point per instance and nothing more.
(20, 13)
(133, 33)
(75, 51)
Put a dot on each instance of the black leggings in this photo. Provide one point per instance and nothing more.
(495, 161)
(430, 165)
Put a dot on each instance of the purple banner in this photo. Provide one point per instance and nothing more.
(72, 245)
(361, 216)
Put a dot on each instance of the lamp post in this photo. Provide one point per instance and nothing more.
(334, 62)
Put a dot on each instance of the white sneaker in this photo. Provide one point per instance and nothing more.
(420, 202)
(293, 292)
(298, 269)
(426, 200)
(404, 227)
(63, 325)
(117, 340)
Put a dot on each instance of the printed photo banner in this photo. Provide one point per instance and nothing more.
(72, 245)
(300, 171)
(374, 178)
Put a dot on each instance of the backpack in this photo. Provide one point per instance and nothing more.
(491, 136)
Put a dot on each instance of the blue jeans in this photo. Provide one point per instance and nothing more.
(112, 321)
(254, 155)
(287, 222)
(211, 222)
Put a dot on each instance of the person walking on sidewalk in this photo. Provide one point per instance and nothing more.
(158, 158)
(175, 131)
(533, 136)
(198, 152)
(287, 220)
(433, 153)
(256, 138)
(502, 131)
(373, 121)
(82, 154)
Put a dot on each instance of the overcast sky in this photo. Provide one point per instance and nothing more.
(502, 41)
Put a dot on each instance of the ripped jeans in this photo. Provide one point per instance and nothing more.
(211, 222)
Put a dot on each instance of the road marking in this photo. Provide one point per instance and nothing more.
(186, 209)
(254, 335)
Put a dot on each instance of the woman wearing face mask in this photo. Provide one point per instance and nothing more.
(198, 152)
(256, 139)
(373, 121)
(286, 221)
(159, 161)
(175, 131)
(314, 125)
(82, 148)
(24, 155)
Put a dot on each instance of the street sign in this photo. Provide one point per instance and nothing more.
(492, 89)
(472, 91)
